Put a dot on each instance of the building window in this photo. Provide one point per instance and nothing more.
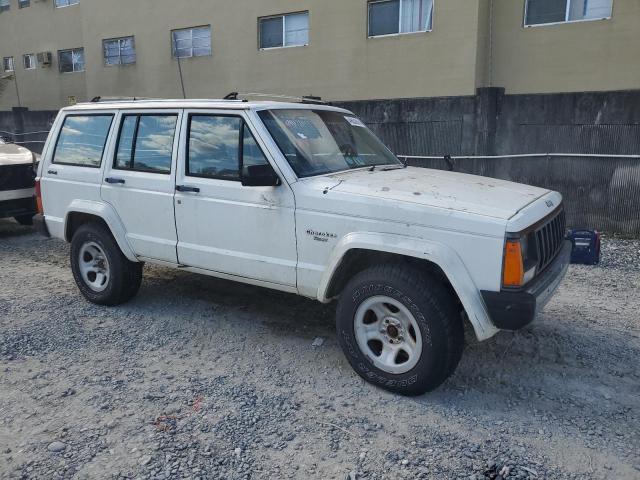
(8, 65)
(66, 3)
(29, 61)
(5, 5)
(24, 3)
(119, 51)
(290, 30)
(544, 12)
(71, 60)
(191, 42)
(391, 17)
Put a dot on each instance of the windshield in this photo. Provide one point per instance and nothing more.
(317, 142)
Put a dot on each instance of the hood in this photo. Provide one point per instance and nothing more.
(440, 189)
(11, 154)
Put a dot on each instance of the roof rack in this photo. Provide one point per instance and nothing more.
(304, 99)
(99, 99)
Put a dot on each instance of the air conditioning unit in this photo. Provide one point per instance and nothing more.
(45, 59)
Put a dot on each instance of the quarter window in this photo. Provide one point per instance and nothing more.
(391, 17)
(29, 61)
(7, 64)
(145, 143)
(219, 145)
(5, 5)
(71, 60)
(82, 139)
(66, 3)
(191, 42)
(290, 30)
(119, 51)
(540, 12)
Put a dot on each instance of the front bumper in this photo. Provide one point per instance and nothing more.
(512, 310)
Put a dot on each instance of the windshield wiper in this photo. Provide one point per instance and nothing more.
(394, 167)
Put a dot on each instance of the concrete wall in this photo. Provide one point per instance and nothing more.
(576, 57)
(340, 62)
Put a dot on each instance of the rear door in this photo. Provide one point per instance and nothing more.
(139, 180)
(73, 163)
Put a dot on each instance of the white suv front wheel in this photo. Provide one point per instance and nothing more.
(101, 271)
(400, 328)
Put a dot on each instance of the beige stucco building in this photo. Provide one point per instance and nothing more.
(456, 47)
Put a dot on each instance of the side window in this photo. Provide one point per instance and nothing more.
(145, 143)
(215, 147)
(82, 139)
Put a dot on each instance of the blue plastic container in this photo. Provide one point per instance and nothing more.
(586, 247)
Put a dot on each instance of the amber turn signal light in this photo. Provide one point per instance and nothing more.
(513, 271)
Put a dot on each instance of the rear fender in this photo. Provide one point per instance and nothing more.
(107, 213)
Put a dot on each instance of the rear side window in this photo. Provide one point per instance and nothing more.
(217, 144)
(145, 143)
(82, 139)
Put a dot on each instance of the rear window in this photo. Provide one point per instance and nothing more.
(82, 139)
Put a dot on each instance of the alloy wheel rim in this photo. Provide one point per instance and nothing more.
(388, 334)
(94, 267)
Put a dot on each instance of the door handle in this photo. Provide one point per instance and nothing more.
(52, 172)
(184, 188)
(114, 180)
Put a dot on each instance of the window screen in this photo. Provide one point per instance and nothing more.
(66, 3)
(8, 65)
(557, 11)
(71, 60)
(191, 42)
(145, 143)
(271, 32)
(384, 18)
(388, 17)
(291, 30)
(82, 139)
(119, 51)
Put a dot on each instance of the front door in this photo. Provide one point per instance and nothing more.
(223, 226)
(139, 181)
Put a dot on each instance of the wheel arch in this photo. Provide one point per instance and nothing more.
(83, 211)
(357, 251)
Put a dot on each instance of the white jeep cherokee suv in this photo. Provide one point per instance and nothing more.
(302, 198)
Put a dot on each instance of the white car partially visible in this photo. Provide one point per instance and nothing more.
(17, 175)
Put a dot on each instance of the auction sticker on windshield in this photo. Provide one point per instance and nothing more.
(356, 122)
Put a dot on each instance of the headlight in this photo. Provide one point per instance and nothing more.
(518, 266)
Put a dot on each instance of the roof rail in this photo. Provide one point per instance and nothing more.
(99, 99)
(304, 99)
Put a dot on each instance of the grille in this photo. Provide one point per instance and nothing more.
(16, 177)
(549, 239)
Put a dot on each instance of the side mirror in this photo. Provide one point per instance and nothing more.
(259, 176)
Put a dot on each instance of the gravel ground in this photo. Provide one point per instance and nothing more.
(203, 378)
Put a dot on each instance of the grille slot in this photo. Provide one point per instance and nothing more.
(549, 239)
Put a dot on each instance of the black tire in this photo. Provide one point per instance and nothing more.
(125, 276)
(435, 312)
(25, 220)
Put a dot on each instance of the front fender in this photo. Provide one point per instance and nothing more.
(442, 255)
(107, 213)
